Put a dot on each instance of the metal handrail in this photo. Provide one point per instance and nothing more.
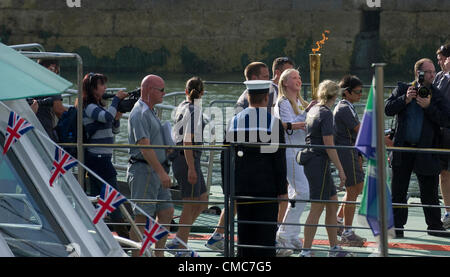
(228, 203)
(79, 60)
(28, 46)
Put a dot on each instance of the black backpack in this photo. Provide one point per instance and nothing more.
(66, 130)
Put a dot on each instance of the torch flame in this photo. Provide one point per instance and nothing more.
(319, 43)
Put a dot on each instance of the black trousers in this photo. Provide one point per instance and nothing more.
(428, 185)
(257, 234)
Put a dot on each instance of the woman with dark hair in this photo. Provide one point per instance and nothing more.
(188, 131)
(100, 123)
(346, 127)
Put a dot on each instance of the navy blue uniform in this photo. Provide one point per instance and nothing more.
(259, 172)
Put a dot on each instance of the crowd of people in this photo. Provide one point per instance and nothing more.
(274, 107)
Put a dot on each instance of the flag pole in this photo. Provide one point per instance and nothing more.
(380, 154)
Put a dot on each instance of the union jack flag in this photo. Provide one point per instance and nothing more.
(153, 232)
(17, 127)
(61, 164)
(110, 200)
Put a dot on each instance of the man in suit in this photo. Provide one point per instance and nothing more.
(419, 118)
(442, 82)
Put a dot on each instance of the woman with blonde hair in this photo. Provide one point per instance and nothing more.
(316, 162)
(291, 109)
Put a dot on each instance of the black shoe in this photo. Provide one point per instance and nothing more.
(438, 232)
(399, 234)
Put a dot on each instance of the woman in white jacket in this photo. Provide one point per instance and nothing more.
(291, 109)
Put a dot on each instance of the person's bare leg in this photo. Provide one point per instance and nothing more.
(163, 217)
(313, 219)
(139, 219)
(188, 216)
(221, 222)
(330, 219)
(349, 209)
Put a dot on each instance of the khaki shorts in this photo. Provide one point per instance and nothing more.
(144, 184)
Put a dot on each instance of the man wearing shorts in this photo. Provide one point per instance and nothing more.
(147, 168)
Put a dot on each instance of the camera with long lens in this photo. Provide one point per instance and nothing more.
(127, 104)
(42, 102)
(422, 91)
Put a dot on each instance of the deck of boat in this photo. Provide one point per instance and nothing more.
(413, 244)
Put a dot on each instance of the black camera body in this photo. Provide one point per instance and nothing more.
(422, 91)
(127, 104)
(42, 102)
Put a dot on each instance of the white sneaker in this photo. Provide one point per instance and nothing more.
(172, 246)
(215, 243)
(352, 239)
(337, 251)
(306, 253)
(446, 221)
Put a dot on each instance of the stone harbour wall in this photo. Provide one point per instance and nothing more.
(223, 36)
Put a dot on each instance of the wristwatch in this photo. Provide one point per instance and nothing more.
(289, 125)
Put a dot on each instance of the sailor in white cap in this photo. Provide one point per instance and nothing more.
(259, 171)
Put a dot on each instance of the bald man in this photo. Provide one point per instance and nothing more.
(147, 173)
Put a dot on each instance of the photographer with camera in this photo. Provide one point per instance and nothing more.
(442, 82)
(126, 105)
(421, 110)
(48, 109)
(100, 124)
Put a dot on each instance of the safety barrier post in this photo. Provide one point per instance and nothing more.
(380, 154)
(231, 159)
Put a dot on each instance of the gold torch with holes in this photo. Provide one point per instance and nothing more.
(314, 65)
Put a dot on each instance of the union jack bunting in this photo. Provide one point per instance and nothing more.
(110, 200)
(153, 232)
(61, 164)
(17, 127)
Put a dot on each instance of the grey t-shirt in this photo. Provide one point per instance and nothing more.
(143, 123)
(319, 123)
(345, 121)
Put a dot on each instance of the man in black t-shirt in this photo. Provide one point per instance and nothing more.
(50, 108)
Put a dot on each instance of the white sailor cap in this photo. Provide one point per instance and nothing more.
(258, 86)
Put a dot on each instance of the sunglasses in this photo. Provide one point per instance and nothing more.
(160, 89)
(91, 75)
(351, 91)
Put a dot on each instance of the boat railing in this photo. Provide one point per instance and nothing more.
(230, 197)
(228, 204)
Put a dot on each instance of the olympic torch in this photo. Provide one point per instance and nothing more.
(314, 65)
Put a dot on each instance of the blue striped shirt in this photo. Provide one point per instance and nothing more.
(101, 126)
